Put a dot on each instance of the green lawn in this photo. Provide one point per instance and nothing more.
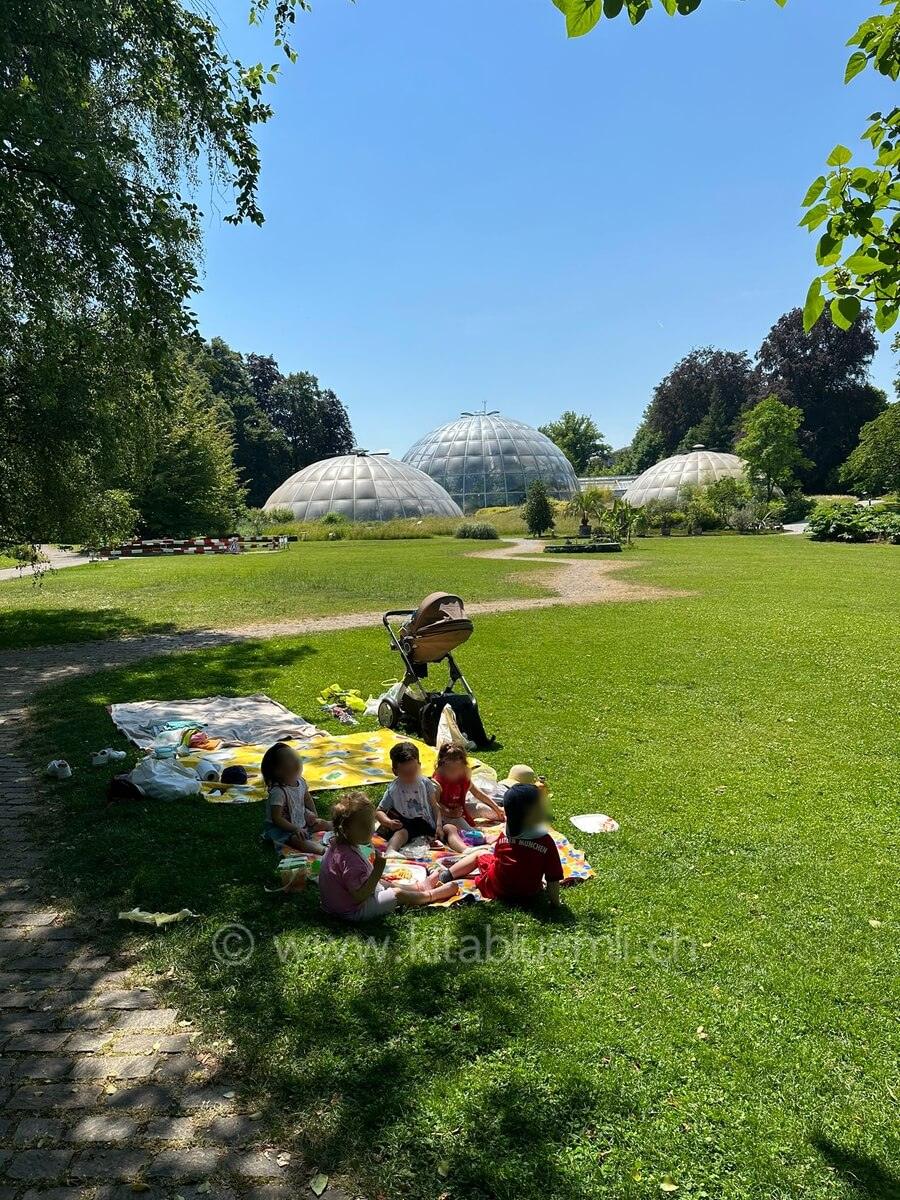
(309, 579)
(717, 1011)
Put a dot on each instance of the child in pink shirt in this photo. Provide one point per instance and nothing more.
(350, 884)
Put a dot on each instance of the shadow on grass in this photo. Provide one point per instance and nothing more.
(869, 1178)
(29, 627)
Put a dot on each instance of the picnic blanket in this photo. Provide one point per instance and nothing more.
(330, 761)
(576, 868)
(233, 719)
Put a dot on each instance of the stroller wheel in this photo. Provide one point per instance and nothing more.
(388, 714)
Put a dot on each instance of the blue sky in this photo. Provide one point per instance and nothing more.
(464, 207)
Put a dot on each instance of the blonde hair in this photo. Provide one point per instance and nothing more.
(344, 812)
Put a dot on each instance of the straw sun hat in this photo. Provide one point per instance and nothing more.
(521, 773)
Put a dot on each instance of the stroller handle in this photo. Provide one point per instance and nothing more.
(397, 612)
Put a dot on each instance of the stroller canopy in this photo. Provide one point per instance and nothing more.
(436, 628)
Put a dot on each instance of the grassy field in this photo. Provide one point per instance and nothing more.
(308, 579)
(715, 1015)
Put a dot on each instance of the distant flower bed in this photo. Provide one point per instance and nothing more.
(845, 521)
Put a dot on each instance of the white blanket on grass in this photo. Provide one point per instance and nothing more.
(237, 720)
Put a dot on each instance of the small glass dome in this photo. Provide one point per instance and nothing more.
(487, 461)
(699, 467)
(362, 487)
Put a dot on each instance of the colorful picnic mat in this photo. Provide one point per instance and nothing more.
(576, 868)
(329, 762)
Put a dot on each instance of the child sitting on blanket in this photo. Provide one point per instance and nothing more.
(350, 884)
(291, 817)
(453, 777)
(522, 860)
(409, 808)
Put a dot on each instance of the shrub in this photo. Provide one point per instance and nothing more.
(477, 530)
(334, 518)
(796, 507)
(845, 521)
(538, 511)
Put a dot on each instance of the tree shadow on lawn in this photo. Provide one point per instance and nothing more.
(864, 1174)
(26, 628)
(381, 1035)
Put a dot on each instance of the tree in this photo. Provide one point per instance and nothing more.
(261, 452)
(580, 441)
(106, 110)
(702, 395)
(193, 487)
(824, 373)
(874, 466)
(769, 445)
(311, 418)
(726, 494)
(856, 205)
(646, 449)
(537, 511)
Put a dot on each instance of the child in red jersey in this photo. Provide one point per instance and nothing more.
(453, 777)
(524, 862)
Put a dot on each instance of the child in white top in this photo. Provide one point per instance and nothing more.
(291, 818)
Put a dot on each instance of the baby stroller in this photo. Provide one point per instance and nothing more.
(423, 636)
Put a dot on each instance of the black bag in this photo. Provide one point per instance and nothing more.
(468, 718)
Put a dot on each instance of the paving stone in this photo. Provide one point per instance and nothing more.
(84, 1019)
(37, 917)
(101, 1127)
(38, 1164)
(112, 1066)
(20, 999)
(174, 1067)
(43, 1066)
(107, 1165)
(255, 1164)
(237, 1128)
(45, 1043)
(148, 1095)
(207, 1098)
(145, 1020)
(37, 1098)
(14, 1022)
(143, 1043)
(87, 1043)
(170, 1129)
(32, 1129)
(195, 1163)
(63, 1193)
(17, 906)
(135, 998)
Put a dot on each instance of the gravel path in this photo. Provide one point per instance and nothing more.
(104, 1093)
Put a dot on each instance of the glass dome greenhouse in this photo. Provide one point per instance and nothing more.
(699, 467)
(362, 487)
(485, 461)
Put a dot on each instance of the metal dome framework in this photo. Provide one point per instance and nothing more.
(698, 468)
(362, 487)
(485, 460)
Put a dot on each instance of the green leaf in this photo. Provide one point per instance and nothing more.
(855, 64)
(815, 216)
(815, 305)
(582, 16)
(612, 8)
(864, 264)
(885, 317)
(844, 311)
(686, 7)
(671, 7)
(839, 156)
(816, 188)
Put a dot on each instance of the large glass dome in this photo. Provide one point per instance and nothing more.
(487, 461)
(699, 467)
(362, 487)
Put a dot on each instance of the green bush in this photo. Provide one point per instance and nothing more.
(796, 507)
(477, 530)
(334, 518)
(845, 521)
